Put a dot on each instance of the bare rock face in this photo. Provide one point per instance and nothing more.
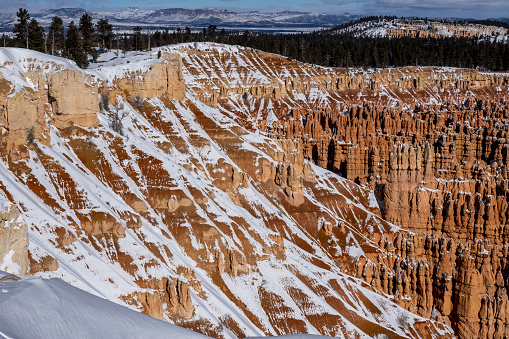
(401, 192)
(79, 109)
(175, 85)
(100, 224)
(19, 115)
(237, 263)
(179, 298)
(151, 303)
(13, 240)
(415, 29)
(20, 111)
(440, 173)
(49, 91)
(65, 238)
(46, 263)
(291, 171)
(163, 78)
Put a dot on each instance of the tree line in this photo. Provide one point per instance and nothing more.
(82, 43)
(77, 43)
(346, 50)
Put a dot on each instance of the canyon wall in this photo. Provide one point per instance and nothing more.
(431, 143)
(137, 183)
(440, 171)
(214, 192)
(162, 78)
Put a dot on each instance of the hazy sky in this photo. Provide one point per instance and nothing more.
(430, 8)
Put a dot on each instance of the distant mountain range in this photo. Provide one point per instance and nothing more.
(172, 18)
(194, 18)
(506, 20)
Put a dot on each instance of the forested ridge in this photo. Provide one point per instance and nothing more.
(82, 41)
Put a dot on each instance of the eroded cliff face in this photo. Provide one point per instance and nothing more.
(162, 78)
(431, 143)
(420, 29)
(13, 239)
(35, 95)
(73, 109)
(209, 210)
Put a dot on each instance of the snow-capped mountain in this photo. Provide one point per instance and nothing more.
(194, 18)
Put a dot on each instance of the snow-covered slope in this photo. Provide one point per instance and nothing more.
(50, 308)
(191, 214)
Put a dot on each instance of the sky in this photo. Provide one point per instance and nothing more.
(479, 9)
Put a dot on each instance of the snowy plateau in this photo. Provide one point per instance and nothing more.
(427, 28)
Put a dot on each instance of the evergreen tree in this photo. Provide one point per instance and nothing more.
(188, 35)
(74, 46)
(21, 27)
(36, 38)
(87, 32)
(137, 36)
(56, 35)
(222, 36)
(105, 32)
(126, 45)
(211, 32)
(157, 39)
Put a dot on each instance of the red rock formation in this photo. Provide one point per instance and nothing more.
(250, 214)
(433, 146)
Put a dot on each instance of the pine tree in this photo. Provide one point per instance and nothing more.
(105, 31)
(137, 35)
(87, 32)
(211, 32)
(21, 27)
(74, 46)
(36, 38)
(222, 36)
(126, 45)
(188, 36)
(56, 35)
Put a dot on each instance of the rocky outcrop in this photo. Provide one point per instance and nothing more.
(151, 303)
(420, 29)
(19, 117)
(179, 298)
(462, 283)
(76, 109)
(100, 224)
(162, 78)
(290, 171)
(13, 239)
(440, 172)
(189, 194)
(24, 111)
(46, 263)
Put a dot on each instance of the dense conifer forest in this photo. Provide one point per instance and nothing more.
(83, 41)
